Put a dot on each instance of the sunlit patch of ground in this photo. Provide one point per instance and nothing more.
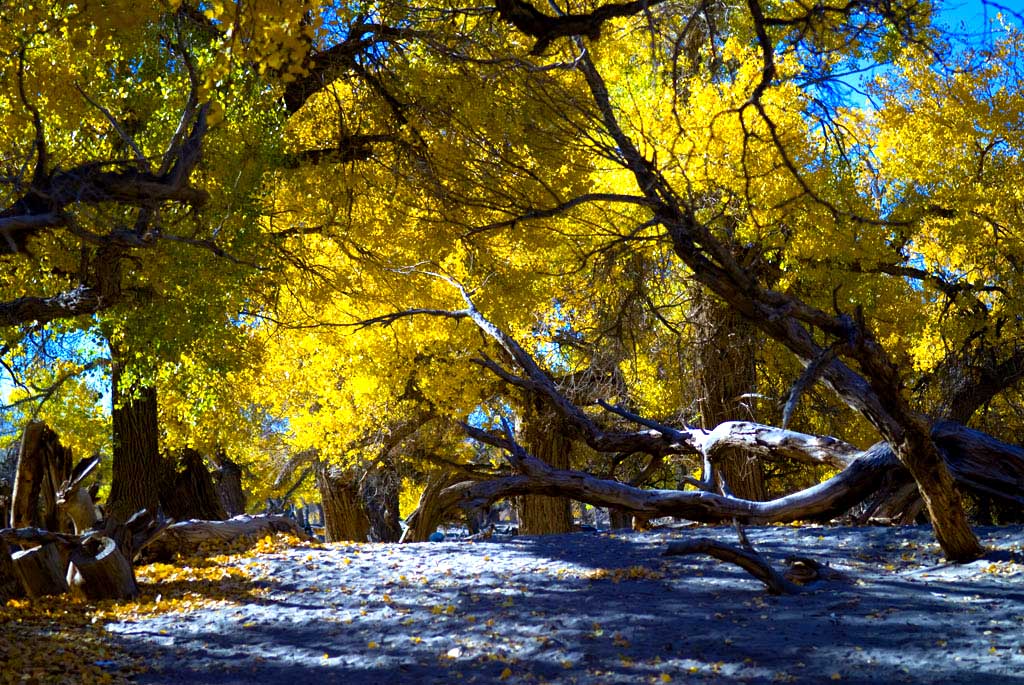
(63, 639)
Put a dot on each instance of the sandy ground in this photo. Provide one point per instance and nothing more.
(604, 608)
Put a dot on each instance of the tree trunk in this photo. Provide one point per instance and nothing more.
(192, 494)
(619, 518)
(228, 480)
(544, 436)
(725, 365)
(430, 511)
(941, 497)
(138, 469)
(977, 460)
(379, 490)
(5, 501)
(344, 516)
(43, 465)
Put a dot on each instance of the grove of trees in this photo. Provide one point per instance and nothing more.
(646, 255)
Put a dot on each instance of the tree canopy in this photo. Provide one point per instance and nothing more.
(354, 226)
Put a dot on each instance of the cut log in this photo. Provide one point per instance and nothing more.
(186, 537)
(103, 572)
(41, 570)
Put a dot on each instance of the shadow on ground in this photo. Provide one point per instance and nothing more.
(600, 608)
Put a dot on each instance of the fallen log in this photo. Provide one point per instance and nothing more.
(187, 536)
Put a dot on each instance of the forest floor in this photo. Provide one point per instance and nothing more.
(586, 608)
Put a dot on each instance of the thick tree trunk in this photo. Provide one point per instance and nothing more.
(619, 518)
(941, 497)
(43, 465)
(228, 480)
(138, 469)
(545, 438)
(380, 490)
(344, 516)
(725, 365)
(430, 510)
(192, 494)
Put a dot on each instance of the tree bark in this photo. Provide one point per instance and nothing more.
(41, 570)
(185, 537)
(344, 516)
(545, 438)
(10, 586)
(430, 510)
(228, 480)
(379, 491)
(43, 465)
(101, 571)
(725, 365)
(139, 471)
(192, 494)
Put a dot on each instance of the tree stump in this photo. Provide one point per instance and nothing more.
(103, 572)
(41, 570)
(43, 464)
(10, 586)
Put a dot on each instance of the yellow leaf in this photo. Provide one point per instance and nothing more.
(507, 673)
(372, 645)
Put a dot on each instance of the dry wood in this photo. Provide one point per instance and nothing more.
(43, 464)
(75, 501)
(185, 537)
(102, 571)
(749, 560)
(41, 570)
(28, 481)
(10, 586)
